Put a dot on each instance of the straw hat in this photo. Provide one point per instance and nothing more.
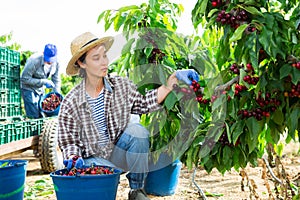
(82, 44)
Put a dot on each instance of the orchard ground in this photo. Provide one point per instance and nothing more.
(215, 185)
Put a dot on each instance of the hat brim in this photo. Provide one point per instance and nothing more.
(72, 70)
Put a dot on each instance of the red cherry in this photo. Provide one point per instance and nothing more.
(214, 3)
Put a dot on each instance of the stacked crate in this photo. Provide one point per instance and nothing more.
(12, 125)
(10, 95)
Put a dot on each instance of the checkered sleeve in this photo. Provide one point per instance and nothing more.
(68, 135)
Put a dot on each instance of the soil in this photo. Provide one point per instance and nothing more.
(214, 185)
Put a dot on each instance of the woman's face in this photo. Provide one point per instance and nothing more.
(96, 62)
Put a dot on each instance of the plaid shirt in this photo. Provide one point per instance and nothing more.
(77, 132)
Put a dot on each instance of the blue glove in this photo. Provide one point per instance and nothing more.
(76, 162)
(187, 75)
(48, 83)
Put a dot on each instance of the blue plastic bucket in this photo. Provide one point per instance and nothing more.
(164, 180)
(12, 179)
(86, 187)
(50, 113)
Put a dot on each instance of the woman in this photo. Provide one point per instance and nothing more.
(93, 124)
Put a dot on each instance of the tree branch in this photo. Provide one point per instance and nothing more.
(271, 172)
(197, 186)
(229, 83)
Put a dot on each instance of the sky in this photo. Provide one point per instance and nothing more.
(34, 23)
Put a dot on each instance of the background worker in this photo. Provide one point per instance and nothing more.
(36, 75)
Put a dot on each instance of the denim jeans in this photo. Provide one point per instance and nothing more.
(31, 103)
(129, 154)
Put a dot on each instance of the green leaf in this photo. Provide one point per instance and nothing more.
(238, 128)
(211, 12)
(238, 33)
(254, 127)
(127, 47)
(252, 10)
(148, 51)
(278, 117)
(285, 70)
(203, 6)
(220, 103)
(170, 100)
(209, 194)
(101, 16)
(126, 8)
(295, 75)
(293, 121)
(264, 39)
(162, 74)
(3, 164)
(204, 151)
(227, 155)
(252, 143)
(152, 3)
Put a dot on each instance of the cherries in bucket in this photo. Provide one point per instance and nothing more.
(50, 103)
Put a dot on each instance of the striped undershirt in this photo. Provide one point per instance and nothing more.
(97, 107)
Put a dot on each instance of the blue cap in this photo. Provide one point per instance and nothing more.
(50, 52)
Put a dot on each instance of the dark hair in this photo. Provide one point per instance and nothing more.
(81, 59)
(82, 72)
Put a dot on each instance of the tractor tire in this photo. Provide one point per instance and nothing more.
(50, 155)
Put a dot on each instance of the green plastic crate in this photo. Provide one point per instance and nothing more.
(9, 70)
(10, 111)
(18, 132)
(4, 111)
(3, 54)
(14, 96)
(9, 82)
(26, 127)
(14, 71)
(36, 126)
(4, 69)
(21, 129)
(4, 96)
(13, 57)
(10, 96)
(6, 132)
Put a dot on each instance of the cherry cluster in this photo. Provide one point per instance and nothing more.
(233, 18)
(249, 78)
(239, 88)
(93, 170)
(253, 80)
(257, 113)
(224, 139)
(295, 91)
(199, 96)
(296, 65)
(266, 106)
(216, 3)
(235, 68)
(267, 101)
(156, 55)
(251, 29)
(194, 89)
